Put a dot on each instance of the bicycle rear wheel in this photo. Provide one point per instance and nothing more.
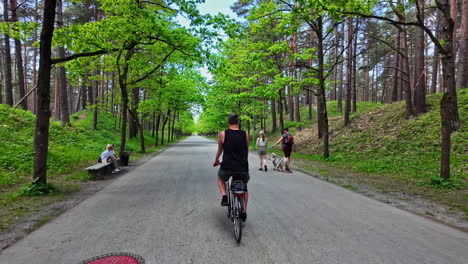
(237, 222)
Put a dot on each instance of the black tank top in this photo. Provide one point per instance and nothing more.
(235, 151)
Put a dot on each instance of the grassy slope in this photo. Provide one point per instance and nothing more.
(71, 149)
(388, 152)
(383, 141)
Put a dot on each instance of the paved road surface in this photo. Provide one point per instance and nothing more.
(167, 211)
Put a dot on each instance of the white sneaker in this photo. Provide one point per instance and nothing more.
(115, 171)
(118, 170)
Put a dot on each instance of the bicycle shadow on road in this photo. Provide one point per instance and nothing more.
(222, 223)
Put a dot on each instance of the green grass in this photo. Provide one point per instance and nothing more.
(71, 149)
(384, 142)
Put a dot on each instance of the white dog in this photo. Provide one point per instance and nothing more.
(278, 163)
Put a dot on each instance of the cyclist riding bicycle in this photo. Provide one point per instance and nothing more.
(233, 144)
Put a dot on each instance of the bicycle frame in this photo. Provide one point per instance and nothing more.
(235, 195)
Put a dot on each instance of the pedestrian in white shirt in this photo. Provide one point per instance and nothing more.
(109, 156)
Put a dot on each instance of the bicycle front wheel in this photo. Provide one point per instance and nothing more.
(237, 222)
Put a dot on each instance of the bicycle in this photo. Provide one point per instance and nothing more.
(235, 190)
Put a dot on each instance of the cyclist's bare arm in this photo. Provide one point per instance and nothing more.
(248, 139)
(220, 149)
(277, 142)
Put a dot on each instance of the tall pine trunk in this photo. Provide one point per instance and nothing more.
(166, 117)
(7, 61)
(158, 121)
(349, 55)
(41, 133)
(123, 74)
(448, 104)
(280, 111)
(341, 74)
(463, 69)
(420, 73)
(273, 116)
(95, 102)
(133, 126)
(435, 57)
(354, 77)
(19, 59)
(396, 72)
(62, 77)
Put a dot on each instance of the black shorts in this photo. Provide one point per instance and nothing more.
(287, 151)
(226, 174)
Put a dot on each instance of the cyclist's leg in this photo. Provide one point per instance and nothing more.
(245, 179)
(223, 177)
(222, 186)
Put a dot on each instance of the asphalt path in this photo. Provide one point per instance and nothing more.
(167, 211)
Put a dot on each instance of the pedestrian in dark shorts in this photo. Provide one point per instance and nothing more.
(288, 144)
(233, 143)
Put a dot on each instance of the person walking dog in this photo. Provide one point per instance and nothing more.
(262, 146)
(288, 144)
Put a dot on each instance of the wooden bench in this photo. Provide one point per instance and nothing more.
(100, 170)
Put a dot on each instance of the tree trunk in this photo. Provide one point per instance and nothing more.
(158, 120)
(1, 77)
(435, 63)
(310, 94)
(96, 101)
(405, 70)
(321, 98)
(19, 59)
(285, 102)
(62, 76)
(448, 105)
(56, 111)
(133, 129)
(173, 126)
(340, 86)
(463, 69)
(273, 116)
(35, 52)
(291, 104)
(83, 91)
(142, 134)
(41, 133)
(420, 73)
(166, 117)
(153, 124)
(354, 77)
(280, 105)
(348, 72)
(78, 100)
(405, 74)
(396, 73)
(295, 98)
(335, 71)
(123, 90)
(7, 62)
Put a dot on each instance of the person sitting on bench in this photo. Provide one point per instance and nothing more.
(109, 156)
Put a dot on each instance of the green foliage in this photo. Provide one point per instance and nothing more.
(445, 184)
(18, 30)
(293, 124)
(36, 188)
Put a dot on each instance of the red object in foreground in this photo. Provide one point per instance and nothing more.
(116, 258)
